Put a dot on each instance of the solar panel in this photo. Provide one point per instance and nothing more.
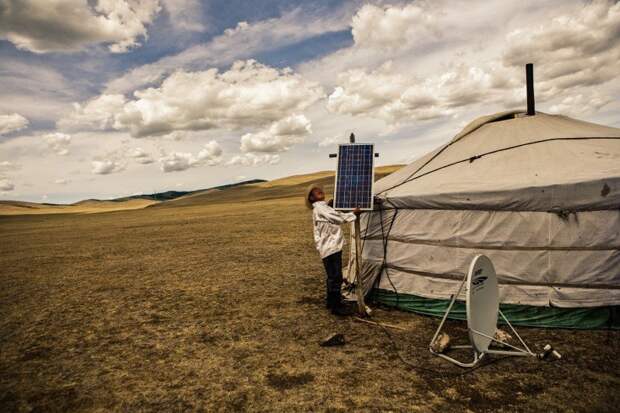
(354, 176)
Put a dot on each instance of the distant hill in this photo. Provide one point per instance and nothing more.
(168, 195)
(286, 187)
(88, 206)
(246, 191)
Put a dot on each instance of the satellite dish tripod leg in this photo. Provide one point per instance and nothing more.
(477, 356)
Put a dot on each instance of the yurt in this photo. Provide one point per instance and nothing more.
(539, 195)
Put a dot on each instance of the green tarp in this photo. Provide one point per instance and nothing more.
(521, 315)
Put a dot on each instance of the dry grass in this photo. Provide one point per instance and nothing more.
(216, 305)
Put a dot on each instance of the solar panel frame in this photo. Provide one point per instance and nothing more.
(348, 205)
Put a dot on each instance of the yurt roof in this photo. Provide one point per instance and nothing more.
(509, 161)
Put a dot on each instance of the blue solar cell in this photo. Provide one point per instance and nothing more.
(354, 177)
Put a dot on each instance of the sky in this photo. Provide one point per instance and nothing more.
(109, 98)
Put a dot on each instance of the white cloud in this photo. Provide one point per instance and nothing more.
(393, 27)
(71, 25)
(12, 122)
(210, 154)
(574, 50)
(241, 42)
(140, 156)
(177, 161)
(107, 166)
(581, 104)
(35, 91)
(61, 181)
(98, 113)
(249, 94)
(333, 140)
(176, 135)
(8, 166)
(577, 49)
(6, 185)
(251, 159)
(389, 95)
(279, 137)
(58, 142)
(185, 14)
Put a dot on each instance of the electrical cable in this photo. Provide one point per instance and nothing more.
(432, 371)
(385, 240)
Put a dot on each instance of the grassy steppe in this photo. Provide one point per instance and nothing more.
(215, 302)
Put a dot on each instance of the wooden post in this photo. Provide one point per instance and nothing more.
(359, 288)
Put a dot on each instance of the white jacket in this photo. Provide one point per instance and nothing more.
(327, 232)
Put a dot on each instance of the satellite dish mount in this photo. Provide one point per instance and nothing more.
(482, 303)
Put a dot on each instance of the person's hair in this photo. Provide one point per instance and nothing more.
(311, 196)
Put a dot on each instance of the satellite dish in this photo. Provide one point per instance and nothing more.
(482, 303)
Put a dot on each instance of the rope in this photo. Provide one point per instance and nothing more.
(385, 239)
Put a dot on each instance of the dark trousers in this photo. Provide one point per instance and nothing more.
(333, 268)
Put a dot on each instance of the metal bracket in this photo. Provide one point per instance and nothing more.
(478, 355)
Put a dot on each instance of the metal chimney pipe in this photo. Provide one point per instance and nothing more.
(529, 80)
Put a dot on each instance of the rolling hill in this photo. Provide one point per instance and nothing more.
(252, 190)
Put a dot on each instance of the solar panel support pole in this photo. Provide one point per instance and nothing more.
(359, 288)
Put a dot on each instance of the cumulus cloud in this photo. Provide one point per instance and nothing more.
(177, 161)
(210, 154)
(396, 98)
(579, 49)
(58, 142)
(6, 185)
(71, 25)
(98, 113)
(140, 156)
(240, 42)
(252, 159)
(107, 166)
(249, 94)
(394, 27)
(279, 137)
(575, 50)
(12, 122)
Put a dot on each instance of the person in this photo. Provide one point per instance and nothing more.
(329, 242)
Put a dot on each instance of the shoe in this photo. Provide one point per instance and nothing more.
(341, 310)
(338, 307)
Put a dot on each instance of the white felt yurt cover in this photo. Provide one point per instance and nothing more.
(539, 195)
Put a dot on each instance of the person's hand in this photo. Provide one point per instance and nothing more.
(357, 211)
